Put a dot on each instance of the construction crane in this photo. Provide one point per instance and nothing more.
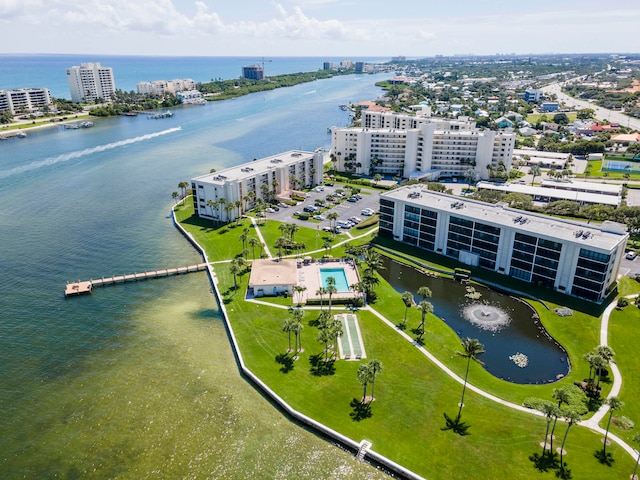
(262, 63)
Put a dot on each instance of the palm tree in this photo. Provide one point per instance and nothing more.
(424, 292)
(561, 395)
(293, 228)
(243, 237)
(175, 196)
(287, 327)
(471, 349)
(550, 411)
(336, 331)
(572, 417)
(614, 404)
(228, 208)
(320, 292)
(331, 289)
(183, 187)
(363, 377)
(332, 217)
(280, 243)
(253, 243)
(324, 336)
(221, 204)
(375, 367)
(425, 307)
(234, 268)
(212, 204)
(535, 172)
(407, 298)
(299, 289)
(297, 329)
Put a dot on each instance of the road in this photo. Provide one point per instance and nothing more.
(601, 112)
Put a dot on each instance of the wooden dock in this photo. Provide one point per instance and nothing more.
(85, 287)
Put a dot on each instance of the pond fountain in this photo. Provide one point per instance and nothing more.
(486, 317)
(517, 348)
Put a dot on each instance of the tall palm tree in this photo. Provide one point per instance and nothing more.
(550, 411)
(561, 395)
(212, 204)
(375, 367)
(614, 404)
(253, 243)
(221, 205)
(331, 289)
(363, 377)
(535, 172)
(175, 196)
(299, 290)
(425, 307)
(336, 331)
(234, 269)
(297, 330)
(183, 187)
(293, 228)
(324, 336)
(287, 327)
(471, 348)
(407, 298)
(320, 292)
(332, 217)
(571, 417)
(228, 208)
(280, 243)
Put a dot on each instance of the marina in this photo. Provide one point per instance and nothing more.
(79, 287)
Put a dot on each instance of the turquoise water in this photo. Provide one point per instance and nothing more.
(338, 274)
(138, 380)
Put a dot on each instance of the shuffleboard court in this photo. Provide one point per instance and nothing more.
(351, 345)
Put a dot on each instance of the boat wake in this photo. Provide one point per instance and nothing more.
(82, 153)
(310, 93)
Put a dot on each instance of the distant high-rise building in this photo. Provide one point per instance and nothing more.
(359, 67)
(91, 81)
(399, 59)
(253, 72)
(327, 66)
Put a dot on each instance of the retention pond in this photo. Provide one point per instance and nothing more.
(517, 348)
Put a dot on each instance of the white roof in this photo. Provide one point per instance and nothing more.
(263, 165)
(603, 237)
(608, 188)
(269, 273)
(583, 197)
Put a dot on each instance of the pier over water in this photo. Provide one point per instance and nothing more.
(85, 287)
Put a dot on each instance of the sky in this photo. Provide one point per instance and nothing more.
(335, 28)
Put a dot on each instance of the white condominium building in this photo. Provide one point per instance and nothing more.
(91, 81)
(269, 178)
(571, 257)
(24, 100)
(159, 88)
(417, 146)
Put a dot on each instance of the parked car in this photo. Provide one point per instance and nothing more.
(269, 210)
(631, 255)
(309, 209)
(319, 217)
(367, 212)
(352, 199)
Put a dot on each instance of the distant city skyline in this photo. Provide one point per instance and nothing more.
(317, 27)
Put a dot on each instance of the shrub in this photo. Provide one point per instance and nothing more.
(622, 302)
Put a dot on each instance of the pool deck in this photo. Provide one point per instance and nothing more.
(309, 276)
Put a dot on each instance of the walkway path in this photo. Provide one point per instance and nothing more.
(259, 233)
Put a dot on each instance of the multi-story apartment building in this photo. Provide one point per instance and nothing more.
(91, 81)
(25, 100)
(253, 72)
(269, 178)
(533, 95)
(159, 88)
(420, 146)
(575, 258)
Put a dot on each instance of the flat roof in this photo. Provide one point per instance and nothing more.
(541, 154)
(603, 237)
(251, 169)
(268, 273)
(610, 188)
(573, 195)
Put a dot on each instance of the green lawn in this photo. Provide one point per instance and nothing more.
(412, 394)
(534, 118)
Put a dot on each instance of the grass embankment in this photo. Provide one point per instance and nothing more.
(406, 419)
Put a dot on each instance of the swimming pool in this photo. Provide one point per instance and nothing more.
(340, 276)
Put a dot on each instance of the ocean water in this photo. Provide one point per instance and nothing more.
(49, 70)
(138, 380)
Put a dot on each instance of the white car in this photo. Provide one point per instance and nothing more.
(367, 212)
(631, 255)
(269, 210)
(319, 217)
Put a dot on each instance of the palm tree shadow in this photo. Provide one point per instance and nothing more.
(605, 458)
(286, 361)
(456, 425)
(546, 462)
(320, 367)
(360, 411)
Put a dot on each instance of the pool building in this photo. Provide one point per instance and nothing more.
(571, 257)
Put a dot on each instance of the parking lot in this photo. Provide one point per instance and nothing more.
(344, 209)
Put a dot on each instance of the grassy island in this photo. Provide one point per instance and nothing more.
(405, 423)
